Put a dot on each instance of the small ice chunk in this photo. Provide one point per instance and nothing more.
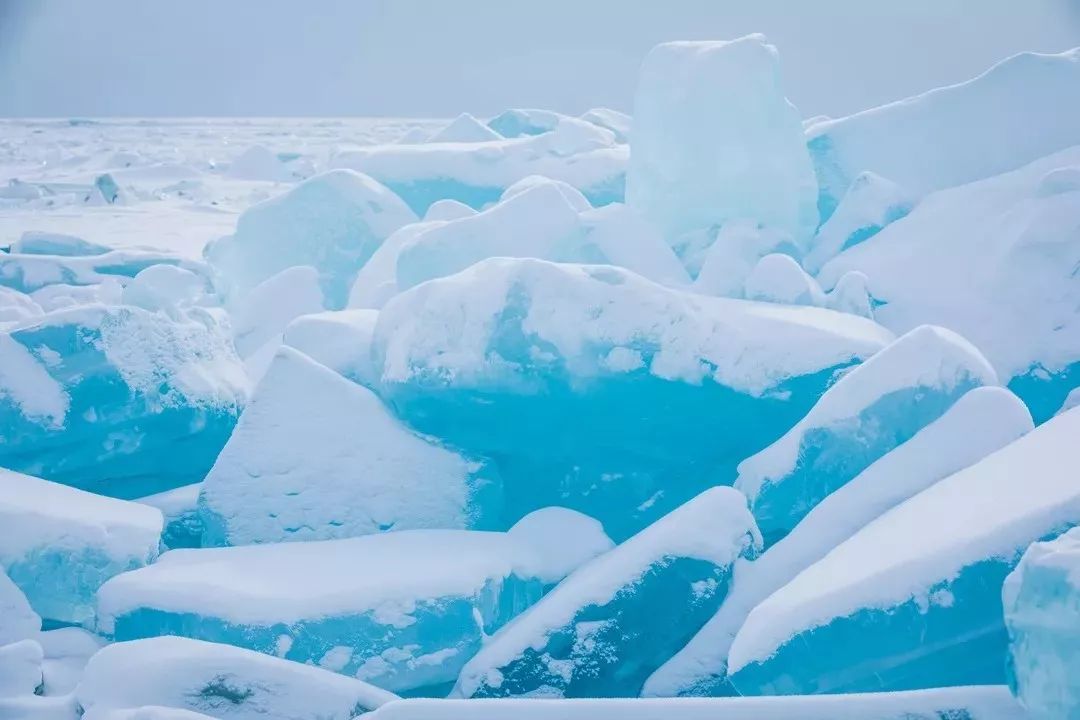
(723, 260)
(852, 295)
(164, 287)
(518, 122)
(228, 683)
(779, 278)
(465, 129)
(258, 163)
(448, 210)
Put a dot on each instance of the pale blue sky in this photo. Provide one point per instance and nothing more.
(438, 58)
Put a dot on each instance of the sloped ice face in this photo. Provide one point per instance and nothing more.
(914, 598)
(1042, 614)
(60, 544)
(599, 634)
(408, 612)
(94, 396)
(593, 388)
(716, 140)
(180, 509)
(870, 411)
(979, 423)
(225, 682)
(332, 222)
(282, 477)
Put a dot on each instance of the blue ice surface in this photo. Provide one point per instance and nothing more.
(121, 438)
(1044, 391)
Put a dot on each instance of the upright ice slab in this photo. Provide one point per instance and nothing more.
(225, 682)
(914, 598)
(333, 222)
(981, 422)
(1020, 109)
(715, 140)
(870, 411)
(403, 610)
(116, 399)
(1042, 614)
(357, 470)
(596, 389)
(615, 619)
(60, 544)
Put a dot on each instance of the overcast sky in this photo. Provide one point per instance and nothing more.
(441, 57)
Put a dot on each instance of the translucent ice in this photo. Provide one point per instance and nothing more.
(33, 242)
(518, 122)
(982, 421)
(953, 135)
(614, 620)
(594, 388)
(403, 610)
(116, 399)
(60, 544)
(333, 222)
(716, 140)
(226, 682)
(356, 471)
(914, 598)
(867, 413)
(463, 129)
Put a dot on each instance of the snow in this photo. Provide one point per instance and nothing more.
(447, 210)
(982, 421)
(183, 526)
(16, 305)
(964, 532)
(60, 544)
(1041, 613)
(333, 222)
(976, 703)
(31, 272)
(146, 712)
(476, 174)
(34, 242)
(282, 477)
(722, 259)
(165, 288)
(622, 594)
(18, 621)
(871, 410)
(340, 340)
(261, 315)
(779, 278)
(715, 140)
(258, 163)
(518, 122)
(464, 129)
(66, 652)
(1019, 110)
(20, 668)
(226, 682)
(572, 195)
(993, 261)
(615, 121)
(851, 294)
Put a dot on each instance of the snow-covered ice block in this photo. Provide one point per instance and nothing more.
(332, 222)
(716, 140)
(30, 272)
(180, 509)
(615, 121)
(56, 297)
(403, 610)
(869, 205)
(282, 477)
(617, 234)
(779, 278)
(579, 153)
(261, 315)
(116, 399)
(871, 410)
(144, 712)
(722, 259)
(34, 242)
(981, 422)
(35, 707)
(464, 129)
(20, 668)
(1020, 109)
(60, 544)
(573, 196)
(447, 210)
(339, 339)
(376, 282)
(914, 598)
(18, 621)
(164, 287)
(969, 703)
(66, 652)
(851, 294)
(518, 122)
(608, 625)
(225, 682)
(1042, 614)
(993, 261)
(16, 305)
(596, 389)
(258, 163)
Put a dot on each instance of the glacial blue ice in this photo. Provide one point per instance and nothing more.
(34, 242)
(180, 509)
(60, 544)
(1042, 614)
(403, 610)
(914, 598)
(605, 628)
(282, 477)
(593, 388)
(116, 399)
(870, 411)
